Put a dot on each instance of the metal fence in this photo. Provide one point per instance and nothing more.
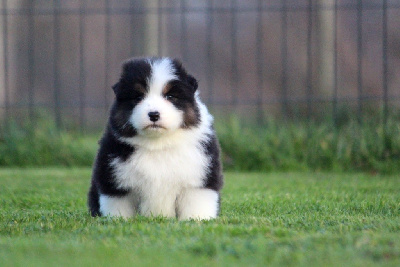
(289, 58)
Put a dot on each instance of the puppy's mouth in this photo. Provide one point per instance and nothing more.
(154, 126)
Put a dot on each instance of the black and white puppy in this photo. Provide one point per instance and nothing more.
(159, 155)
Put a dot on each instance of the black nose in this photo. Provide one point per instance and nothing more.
(154, 116)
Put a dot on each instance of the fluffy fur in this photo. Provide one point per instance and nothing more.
(159, 155)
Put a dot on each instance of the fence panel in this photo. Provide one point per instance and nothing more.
(292, 59)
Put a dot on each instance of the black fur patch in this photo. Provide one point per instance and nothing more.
(184, 76)
(181, 95)
(129, 91)
(186, 87)
(214, 179)
(102, 177)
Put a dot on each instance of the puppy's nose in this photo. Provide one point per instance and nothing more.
(154, 116)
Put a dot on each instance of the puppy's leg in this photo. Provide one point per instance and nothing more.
(158, 205)
(93, 201)
(117, 206)
(198, 203)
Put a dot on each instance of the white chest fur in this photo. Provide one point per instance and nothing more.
(175, 167)
(158, 176)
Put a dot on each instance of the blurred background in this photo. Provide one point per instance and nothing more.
(324, 61)
(259, 58)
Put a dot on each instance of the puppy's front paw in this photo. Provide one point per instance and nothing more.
(198, 204)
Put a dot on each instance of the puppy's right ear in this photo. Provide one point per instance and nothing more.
(115, 88)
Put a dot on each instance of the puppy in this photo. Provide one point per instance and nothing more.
(159, 155)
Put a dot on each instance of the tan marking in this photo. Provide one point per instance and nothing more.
(189, 118)
(166, 88)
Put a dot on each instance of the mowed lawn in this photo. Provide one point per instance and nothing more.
(281, 219)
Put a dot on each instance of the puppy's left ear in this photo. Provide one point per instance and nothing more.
(115, 88)
(193, 82)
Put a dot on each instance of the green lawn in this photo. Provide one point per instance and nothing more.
(281, 219)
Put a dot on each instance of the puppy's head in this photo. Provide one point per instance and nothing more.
(154, 97)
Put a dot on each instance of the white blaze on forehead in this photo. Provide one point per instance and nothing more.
(162, 71)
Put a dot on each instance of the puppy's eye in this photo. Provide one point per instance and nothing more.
(138, 98)
(170, 97)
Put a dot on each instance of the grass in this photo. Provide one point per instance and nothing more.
(302, 145)
(273, 146)
(43, 145)
(277, 219)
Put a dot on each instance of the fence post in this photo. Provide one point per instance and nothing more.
(335, 66)
(325, 24)
(107, 54)
(234, 65)
(385, 72)
(56, 63)
(284, 61)
(209, 41)
(183, 31)
(31, 59)
(159, 29)
(5, 57)
(309, 59)
(359, 59)
(151, 32)
(260, 58)
(82, 69)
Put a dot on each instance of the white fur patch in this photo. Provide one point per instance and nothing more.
(159, 176)
(162, 71)
(117, 206)
(197, 203)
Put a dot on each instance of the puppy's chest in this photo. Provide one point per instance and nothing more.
(182, 166)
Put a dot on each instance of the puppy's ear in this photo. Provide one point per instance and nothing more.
(192, 82)
(115, 88)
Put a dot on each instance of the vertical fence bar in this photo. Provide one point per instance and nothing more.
(335, 65)
(259, 59)
(209, 40)
(6, 68)
(159, 28)
(31, 59)
(183, 31)
(359, 59)
(234, 55)
(284, 55)
(385, 65)
(309, 58)
(132, 28)
(56, 70)
(82, 69)
(107, 54)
